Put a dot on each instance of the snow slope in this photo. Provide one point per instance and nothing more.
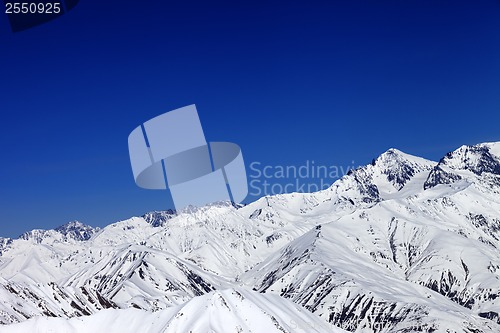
(401, 245)
(231, 310)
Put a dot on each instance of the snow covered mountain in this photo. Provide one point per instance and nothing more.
(401, 245)
(230, 310)
(74, 230)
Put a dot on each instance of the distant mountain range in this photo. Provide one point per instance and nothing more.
(400, 245)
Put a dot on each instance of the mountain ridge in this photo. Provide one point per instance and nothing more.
(386, 248)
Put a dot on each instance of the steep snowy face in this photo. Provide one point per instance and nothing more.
(145, 278)
(466, 162)
(224, 311)
(384, 177)
(477, 159)
(159, 219)
(399, 168)
(375, 269)
(4, 242)
(77, 231)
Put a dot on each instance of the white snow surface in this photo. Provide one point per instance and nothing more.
(230, 310)
(401, 245)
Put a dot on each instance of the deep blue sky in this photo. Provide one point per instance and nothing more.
(329, 81)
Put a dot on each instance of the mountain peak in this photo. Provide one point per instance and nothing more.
(74, 230)
(394, 156)
(159, 218)
(477, 159)
(77, 230)
(71, 224)
(393, 151)
(385, 176)
(398, 167)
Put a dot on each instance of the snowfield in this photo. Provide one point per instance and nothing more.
(227, 310)
(401, 245)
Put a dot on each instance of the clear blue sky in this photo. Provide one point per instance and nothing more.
(329, 81)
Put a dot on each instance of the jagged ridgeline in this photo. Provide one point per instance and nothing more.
(401, 245)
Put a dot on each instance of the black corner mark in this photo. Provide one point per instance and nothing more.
(30, 13)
